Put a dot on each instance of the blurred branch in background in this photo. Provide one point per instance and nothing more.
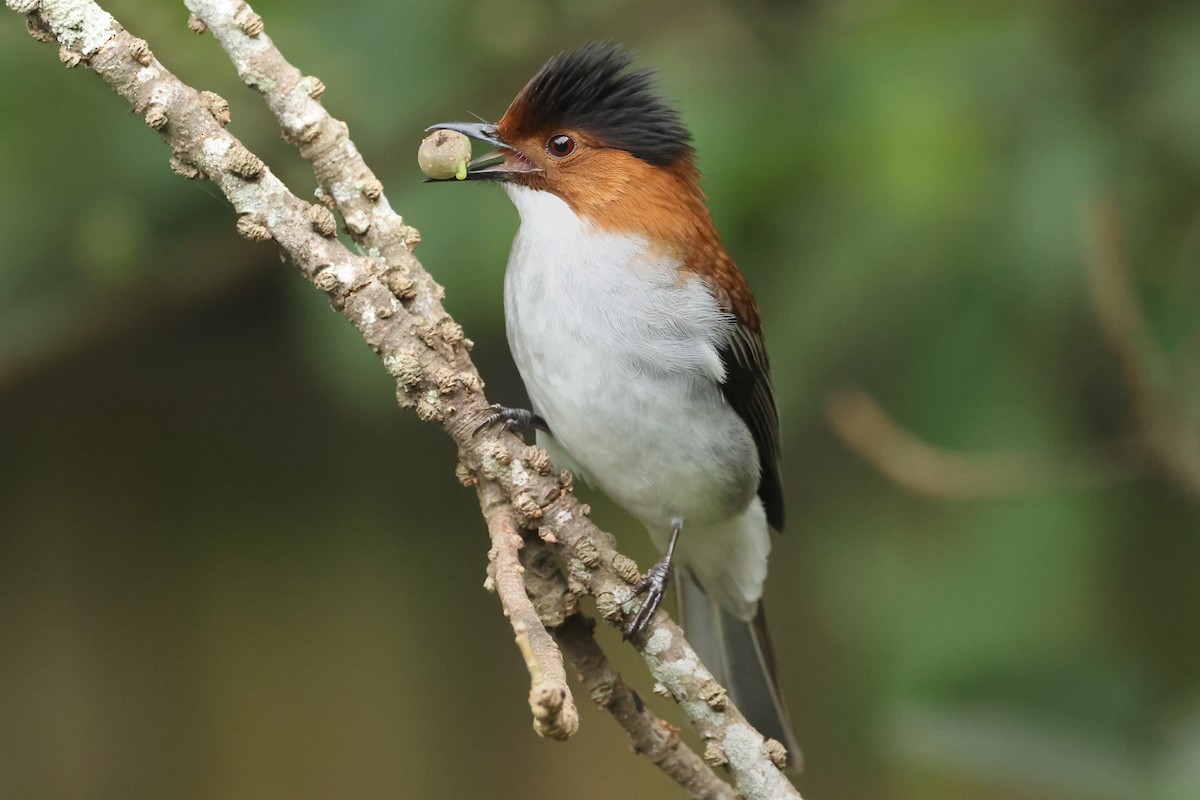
(867, 428)
(1170, 438)
(1164, 435)
(396, 306)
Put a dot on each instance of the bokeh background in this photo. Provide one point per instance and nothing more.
(230, 567)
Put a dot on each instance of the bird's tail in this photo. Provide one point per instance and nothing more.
(740, 657)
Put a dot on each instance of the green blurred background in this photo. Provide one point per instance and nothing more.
(230, 567)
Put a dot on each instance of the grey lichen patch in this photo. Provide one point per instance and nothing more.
(742, 743)
(82, 26)
(500, 455)
(405, 367)
(244, 164)
(156, 116)
(322, 220)
(490, 467)
(563, 518)
(217, 106)
(252, 229)
(140, 51)
(659, 642)
(608, 606)
(69, 57)
(196, 25)
(358, 223)
(626, 568)
(23, 6)
(777, 753)
(255, 79)
(714, 756)
(714, 694)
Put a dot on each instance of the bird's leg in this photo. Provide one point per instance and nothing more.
(654, 584)
(516, 420)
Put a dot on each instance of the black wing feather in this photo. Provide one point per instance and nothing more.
(747, 388)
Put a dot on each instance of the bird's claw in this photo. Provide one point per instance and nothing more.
(514, 419)
(654, 585)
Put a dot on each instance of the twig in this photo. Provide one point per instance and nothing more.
(649, 735)
(866, 427)
(550, 700)
(1168, 437)
(397, 308)
(1165, 435)
(346, 182)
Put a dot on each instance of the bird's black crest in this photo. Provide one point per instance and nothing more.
(591, 89)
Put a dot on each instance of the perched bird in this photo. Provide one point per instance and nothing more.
(641, 347)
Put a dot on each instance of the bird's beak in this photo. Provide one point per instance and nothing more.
(500, 164)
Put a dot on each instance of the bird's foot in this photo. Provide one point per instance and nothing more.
(516, 420)
(654, 585)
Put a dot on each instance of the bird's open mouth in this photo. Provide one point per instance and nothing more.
(499, 164)
(500, 161)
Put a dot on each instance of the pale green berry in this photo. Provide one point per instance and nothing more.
(444, 154)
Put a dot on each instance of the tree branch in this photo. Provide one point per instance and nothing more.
(1164, 435)
(865, 426)
(396, 306)
(554, 712)
(1168, 437)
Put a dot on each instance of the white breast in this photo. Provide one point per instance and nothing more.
(620, 356)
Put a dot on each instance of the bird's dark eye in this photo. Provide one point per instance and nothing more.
(560, 146)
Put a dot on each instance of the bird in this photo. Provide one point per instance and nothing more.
(641, 348)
